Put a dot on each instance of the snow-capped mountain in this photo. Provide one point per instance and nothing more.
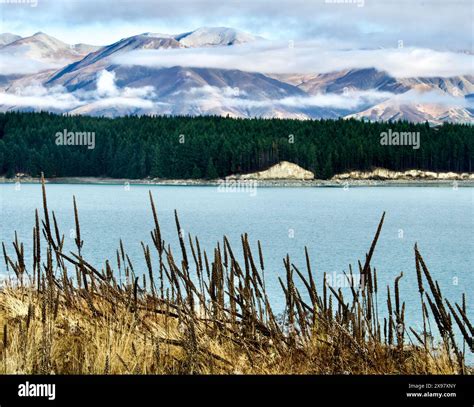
(371, 79)
(43, 73)
(7, 38)
(341, 81)
(80, 74)
(395, 109)
(41, 46)
(38, 53)
(83, 73)
(214, 36)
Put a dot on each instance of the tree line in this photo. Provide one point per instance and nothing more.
(210, 146)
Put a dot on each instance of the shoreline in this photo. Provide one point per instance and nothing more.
(247, 183)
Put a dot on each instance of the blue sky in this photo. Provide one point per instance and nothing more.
(364, 23)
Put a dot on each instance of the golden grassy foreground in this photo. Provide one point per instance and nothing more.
(99, 338)
(203, 314)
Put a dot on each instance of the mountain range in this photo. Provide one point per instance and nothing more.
(41, 72)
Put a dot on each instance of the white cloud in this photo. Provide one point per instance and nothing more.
(436, 97)
(37, 96)
(307, 57)
(13, 64)
(106, 94)
(203, 99)
(106, 84)
(351, 100)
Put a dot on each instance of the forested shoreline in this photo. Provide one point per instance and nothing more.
(210, 147)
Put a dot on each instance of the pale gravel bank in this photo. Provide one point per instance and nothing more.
(236, 183)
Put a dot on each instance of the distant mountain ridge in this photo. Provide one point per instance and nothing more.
(7, 38)
(43, 46)
(75, 70)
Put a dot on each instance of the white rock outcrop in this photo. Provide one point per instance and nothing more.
(384, 174)
(284, 170)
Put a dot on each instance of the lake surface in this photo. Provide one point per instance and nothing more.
(336, 224)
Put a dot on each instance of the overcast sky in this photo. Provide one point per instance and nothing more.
(438, 24)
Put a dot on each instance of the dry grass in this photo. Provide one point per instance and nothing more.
(203, 314)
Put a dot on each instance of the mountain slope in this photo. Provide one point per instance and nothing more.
(82, 73)
(200, 91)
(214, 36)
(398, 108)
(7, 38)
(78, 74)
(41, 46)
(39, 53)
